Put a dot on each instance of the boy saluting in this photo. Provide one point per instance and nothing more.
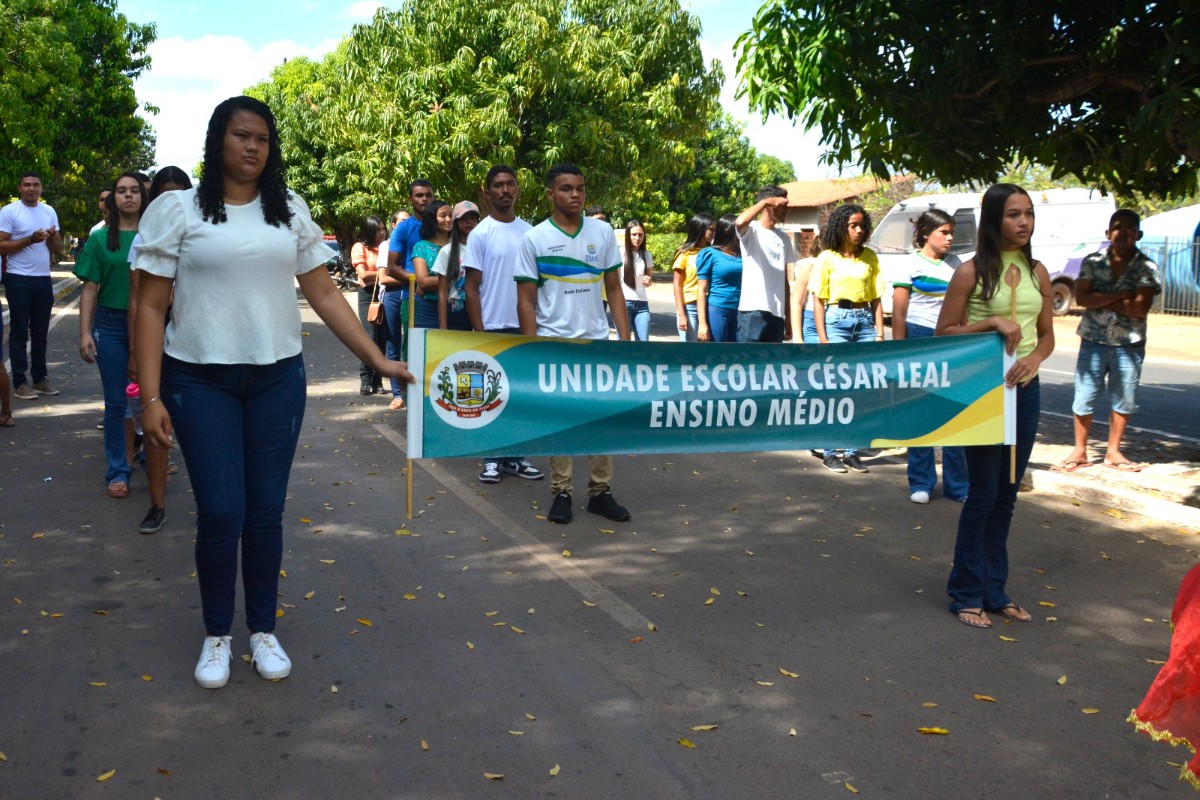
(562, 264)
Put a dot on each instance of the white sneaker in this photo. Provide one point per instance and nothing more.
(268, 657)
(212, 670)
(919, 496)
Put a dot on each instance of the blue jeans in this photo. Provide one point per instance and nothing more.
(922, 474)
(427, 313)
(760, 326)
(722, 324)
(981, 550)
(1121, 364)
(111, 333)
(395, 312)
(638, 312)
(848, 325)
(30, 303)
(689, 309)
(808, 331)
(237, 426)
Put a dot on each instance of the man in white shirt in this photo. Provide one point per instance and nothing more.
(491, 292)
(104, 193)
(767, 258)
(29, 238)
(562, 265)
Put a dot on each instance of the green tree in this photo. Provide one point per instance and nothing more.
(442, 91)
(954, 90)
(67, 105)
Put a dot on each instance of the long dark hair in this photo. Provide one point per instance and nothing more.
(429, 228)
(837, 229)
(929, 222)
(988, 263)
(113, 217)
(697, 227)
(370, 230)
(453, 257)
(167, 175)
(272, 184)
(725, 232)
(629, 251)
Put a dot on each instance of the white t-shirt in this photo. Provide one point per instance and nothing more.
(640, 268)
(492, 249)
(569, 272)
(19, 220)
(381, 259)
(235, 296)
(441, 264)
(765, 256)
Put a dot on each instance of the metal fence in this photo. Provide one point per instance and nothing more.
(1178, 262)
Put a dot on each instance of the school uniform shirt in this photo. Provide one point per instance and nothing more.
(926, 281)
(569, 272)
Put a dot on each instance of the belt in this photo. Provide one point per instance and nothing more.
(850, 304)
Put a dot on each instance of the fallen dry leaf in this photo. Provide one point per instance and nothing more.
(783, 671)
(635, 640)
(366, 623)
(688, 743)
(791, 731)
(765, 683)
(850, 788)
(517, 733)
(651, 626)
(566, 553)
(1008, 639)
(147, 678)
(1046, 604)
(97, 683)
(715, 591)
(1090, 710)
(515, 629)
(106, 776)
(529, 716)
(328, 560)
(985, 698)
(933, 731)
(704, 727)
(555, 769)
(424, 745)
(741, 593)
(1062, 680)
(589, 604)
(490, 613)
(494, 776)
(710, 601)
(470, 645)
(310, 595)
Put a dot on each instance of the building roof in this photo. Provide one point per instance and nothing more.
(807, 194)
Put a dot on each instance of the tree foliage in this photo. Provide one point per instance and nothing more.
(1109, 91)
(428, 90)
(67, 105)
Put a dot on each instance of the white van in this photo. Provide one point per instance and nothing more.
(1070, 224)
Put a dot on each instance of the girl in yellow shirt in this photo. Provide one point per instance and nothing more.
(981, 297)
(699, 236)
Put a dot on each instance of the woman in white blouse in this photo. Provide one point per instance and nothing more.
(228, 378)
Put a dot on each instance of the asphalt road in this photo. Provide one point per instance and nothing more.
(479, 638)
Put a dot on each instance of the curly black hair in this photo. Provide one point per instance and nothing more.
(272, 184)
(836, 230)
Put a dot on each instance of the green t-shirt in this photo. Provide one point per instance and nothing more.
(429, 251)
(109, 268)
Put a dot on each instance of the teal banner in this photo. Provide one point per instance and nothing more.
(493, 394)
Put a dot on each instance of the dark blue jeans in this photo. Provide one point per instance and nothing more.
(377, 333)
(237, 425)
(722, 324)
(111, 333)
(760, 326)
(395, 306)
(922, 473)
(981, 550)
(30, 303)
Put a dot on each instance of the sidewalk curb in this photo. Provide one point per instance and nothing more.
(1135, 502)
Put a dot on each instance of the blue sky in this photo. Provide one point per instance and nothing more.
(207, 51)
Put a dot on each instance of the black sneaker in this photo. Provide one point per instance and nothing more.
(366, 387)
(833, 463)
(154, 520)
(522, 469)
(604, 505)
(854, 463)
(560, 511)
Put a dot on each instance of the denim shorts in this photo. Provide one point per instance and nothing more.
(1120, 364)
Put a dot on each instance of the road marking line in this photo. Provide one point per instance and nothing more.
(569, 573)
(1177, 437)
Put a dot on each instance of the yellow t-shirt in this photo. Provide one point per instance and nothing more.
(838, 277)
(687, 262)
(1029, 302)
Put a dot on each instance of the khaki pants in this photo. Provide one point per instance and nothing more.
(600, 471)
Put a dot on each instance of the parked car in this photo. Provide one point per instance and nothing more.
(1070, 224)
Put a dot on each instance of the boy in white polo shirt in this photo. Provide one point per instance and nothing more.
(562, 265)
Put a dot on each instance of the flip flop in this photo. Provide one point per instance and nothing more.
(6, 420)
(1014, 612)
(973, 618)
(1126, 466)
(1070, 466)
(118, 490)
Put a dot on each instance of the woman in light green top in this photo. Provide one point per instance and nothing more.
(435, 234)
(1001, 289)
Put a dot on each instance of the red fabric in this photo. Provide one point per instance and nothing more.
(1171, 709)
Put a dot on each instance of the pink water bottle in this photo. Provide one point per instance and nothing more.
(133, 394)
